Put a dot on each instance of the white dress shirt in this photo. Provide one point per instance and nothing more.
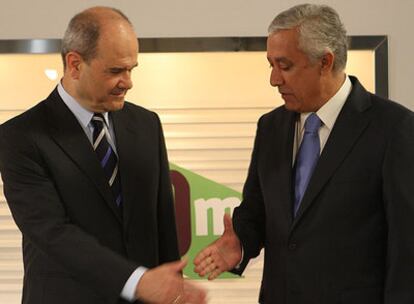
(328, 114)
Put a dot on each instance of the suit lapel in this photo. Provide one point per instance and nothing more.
(278, 165)
(348, 127)
(285, 178)
(69, 135)
(128, 153)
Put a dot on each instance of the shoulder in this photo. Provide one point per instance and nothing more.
(278, 116)
(27, 122)
(136, 117)
(389, 113)
(379, 108)
(276, 113)
(138, 113)
(34, 116)
(17, 135)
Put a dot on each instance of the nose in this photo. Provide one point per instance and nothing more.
(126, 81)
(276, 78)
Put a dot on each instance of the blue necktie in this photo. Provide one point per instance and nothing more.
(306, 158)
(106, 156)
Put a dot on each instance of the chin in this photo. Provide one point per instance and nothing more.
(115, 105)
(291, 106)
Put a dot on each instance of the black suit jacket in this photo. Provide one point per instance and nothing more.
(352, 239)
(78, 246)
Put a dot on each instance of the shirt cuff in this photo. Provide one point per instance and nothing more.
(128, 292)
(241, 260)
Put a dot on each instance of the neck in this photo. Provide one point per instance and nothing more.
(336, 82)
(68, 86)
(331, 86)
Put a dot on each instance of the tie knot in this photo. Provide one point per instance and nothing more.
(312, 123)
(98, 120)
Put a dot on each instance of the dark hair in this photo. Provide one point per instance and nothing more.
(83, 31)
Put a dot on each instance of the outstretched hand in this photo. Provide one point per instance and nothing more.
(165, 284)
(222, 255)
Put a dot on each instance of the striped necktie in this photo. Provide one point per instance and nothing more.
(306, 158)
(106, 155)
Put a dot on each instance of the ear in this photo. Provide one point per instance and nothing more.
(327, 62)
(73, 64)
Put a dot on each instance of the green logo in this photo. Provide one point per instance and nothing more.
(200, 205)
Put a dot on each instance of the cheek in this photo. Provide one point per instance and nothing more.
(111, 84)
(303, 85)
(102, 89)
(310, 89)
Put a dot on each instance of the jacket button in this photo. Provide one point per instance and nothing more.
(292, 246)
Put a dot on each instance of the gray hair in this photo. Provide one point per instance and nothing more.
(83, 33)
(320, 30)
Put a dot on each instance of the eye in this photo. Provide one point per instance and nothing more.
(115, 71)
(284, 64)
(270, 63)
(285, 67)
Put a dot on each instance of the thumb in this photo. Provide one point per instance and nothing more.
(228, 224)
(178, 266)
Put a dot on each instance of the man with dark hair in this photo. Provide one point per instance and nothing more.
(87, 181)
(329, 192)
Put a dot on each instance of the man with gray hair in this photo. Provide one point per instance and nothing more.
(329, 192)
(87, 181)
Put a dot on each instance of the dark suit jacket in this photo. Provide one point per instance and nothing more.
(353, 238)
(78, 246)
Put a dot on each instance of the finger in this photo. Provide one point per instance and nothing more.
(205, 264)
(214, 274)
(228, 223)
(210, 268)
(209, 260)
(195, 298)
(220, 263)
(206, 252)
(179, 299)
(199, 268)
(193, 293)
(206, 267)
(202, 268)
(177, 266)
(181, 265)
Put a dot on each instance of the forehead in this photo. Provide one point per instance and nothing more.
(118, 43)
(283, 44)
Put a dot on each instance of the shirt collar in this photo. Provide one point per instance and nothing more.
(329, 112)
(83, 115)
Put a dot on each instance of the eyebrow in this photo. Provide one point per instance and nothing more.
(280, 60)
(122, 68)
